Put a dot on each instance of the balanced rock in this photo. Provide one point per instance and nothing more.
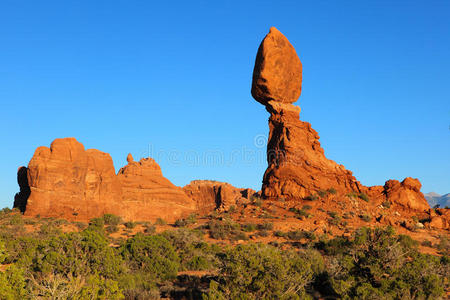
(278, 71)
(67, 181)
(297, 163)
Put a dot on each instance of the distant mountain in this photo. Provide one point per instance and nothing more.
(435, 199)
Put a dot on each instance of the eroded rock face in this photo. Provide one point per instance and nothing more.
(148, 195)
(210, 195)
(67, 181)
(297, 165)
(406, 194)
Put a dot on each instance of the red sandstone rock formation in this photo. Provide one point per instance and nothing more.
(406, 194)
(68, 181)
(297, 163)
(211, 195)
(149, 195)
(297, 166)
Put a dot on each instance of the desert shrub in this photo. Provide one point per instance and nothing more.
(191, 219)
(322, 193)
(306, 207)
(223, 229)
(149, 229)
(295, 235)
(379, 264)
(49, 229)
(257, 271)
(15, 219)
(5, 211)
(311, 197)
(111, 219)
(346, 216)
(97, 223)
(249, 227)
(386, 204)
(332, 191)
(160, 222)
(364, 197)
(12, 284)
(152, 256)
(130, 225)
(280, 234)
(112, 228)
(265, 226)
(180, 223)
(198, 263)
(300, 213)
(80, 225)
(427, 244)
(232, 209)
(335, 218)
(365, 218)
(444, 245)
(190, 247)
(82, 253)
(262, 233)
(96, 287)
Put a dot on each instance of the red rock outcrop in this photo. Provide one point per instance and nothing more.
(211, 195)
(70, 182)
(148, 194)
(406, 194)
(297, 166)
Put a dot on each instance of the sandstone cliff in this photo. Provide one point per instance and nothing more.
(70, 182)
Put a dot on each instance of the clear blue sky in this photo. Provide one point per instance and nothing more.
(172, 78)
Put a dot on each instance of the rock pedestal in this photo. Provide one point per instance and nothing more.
(297, 165)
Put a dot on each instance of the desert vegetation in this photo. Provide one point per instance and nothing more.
(68, 260)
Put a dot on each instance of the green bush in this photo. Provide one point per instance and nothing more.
(152, 255)
(223, 229)
(249, 227)
(379, 264)
(322, 193)
(364, 197)
(130, 225)
(332, 191)
(311, 198)
(265, 226)
(112, 228)
(12, 284)
(111, 219)
(257, 271)
(306, 207)
(160, 222)
(189, 244)
(300, 213)
(365, 218)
